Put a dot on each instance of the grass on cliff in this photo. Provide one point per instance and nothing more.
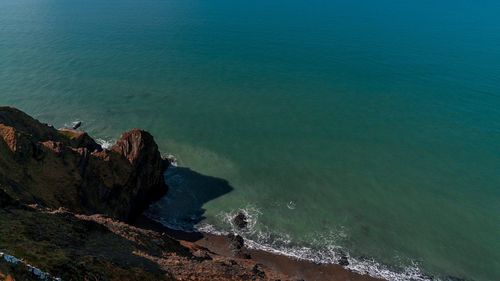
(70, 248)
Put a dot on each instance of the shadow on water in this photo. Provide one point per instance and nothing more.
(182, 207)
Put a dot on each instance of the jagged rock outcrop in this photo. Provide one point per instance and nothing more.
(78, 188)
(54, 168)
(59, 195)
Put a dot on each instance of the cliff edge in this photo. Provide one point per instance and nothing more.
(65, 204)
(67, 168)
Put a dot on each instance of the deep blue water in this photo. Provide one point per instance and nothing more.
(368, 127)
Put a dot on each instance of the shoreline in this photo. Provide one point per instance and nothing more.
(292, 267)
(140, 173)
(55, 193)
(312, 261)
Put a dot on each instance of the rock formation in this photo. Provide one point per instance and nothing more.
(57, 244)
(65, 201)
(67, 168)
(240, 220)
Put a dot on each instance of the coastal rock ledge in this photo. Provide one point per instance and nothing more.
(67, 168)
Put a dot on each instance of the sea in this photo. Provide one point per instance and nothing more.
(366, 129)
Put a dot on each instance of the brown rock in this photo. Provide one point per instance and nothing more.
(39, 164)
(80, 139)
(344, 261)
(23, 123)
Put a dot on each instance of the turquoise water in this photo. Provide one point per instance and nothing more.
(365, 127)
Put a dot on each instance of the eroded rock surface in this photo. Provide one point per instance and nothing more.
(61, 195)
(67, 168)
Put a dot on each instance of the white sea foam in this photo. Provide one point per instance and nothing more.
(251, 213)
(375, 269)
(283, 244)
(208, 228)
(106, 144)
(259, 237)
(172, 159)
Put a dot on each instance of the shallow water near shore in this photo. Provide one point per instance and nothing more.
(371, 129)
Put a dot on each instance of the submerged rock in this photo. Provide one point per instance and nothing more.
(54, 168)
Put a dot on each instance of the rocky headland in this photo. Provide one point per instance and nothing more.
(71, 210)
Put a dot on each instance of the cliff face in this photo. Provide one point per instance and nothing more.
(60, 196)
(37, 242)
(39, 164)
(67, 168)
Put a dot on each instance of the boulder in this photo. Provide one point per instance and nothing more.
(344, 261)
(240, 220)
(67, 168)
(76, 125)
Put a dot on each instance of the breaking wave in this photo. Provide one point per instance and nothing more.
(330, 252)
(283, 244)
(321, 248)
(106, 144)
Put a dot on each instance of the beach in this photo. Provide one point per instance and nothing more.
(295, 268)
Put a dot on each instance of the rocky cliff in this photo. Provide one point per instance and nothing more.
(65, 201)
(55, 244)
(67, 168)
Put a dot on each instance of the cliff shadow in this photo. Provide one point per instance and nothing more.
(182, 207)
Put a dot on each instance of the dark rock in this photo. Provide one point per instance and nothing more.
(343, 261)
(237, 242)
(76, 125)
(240, 220)
(257, 270)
